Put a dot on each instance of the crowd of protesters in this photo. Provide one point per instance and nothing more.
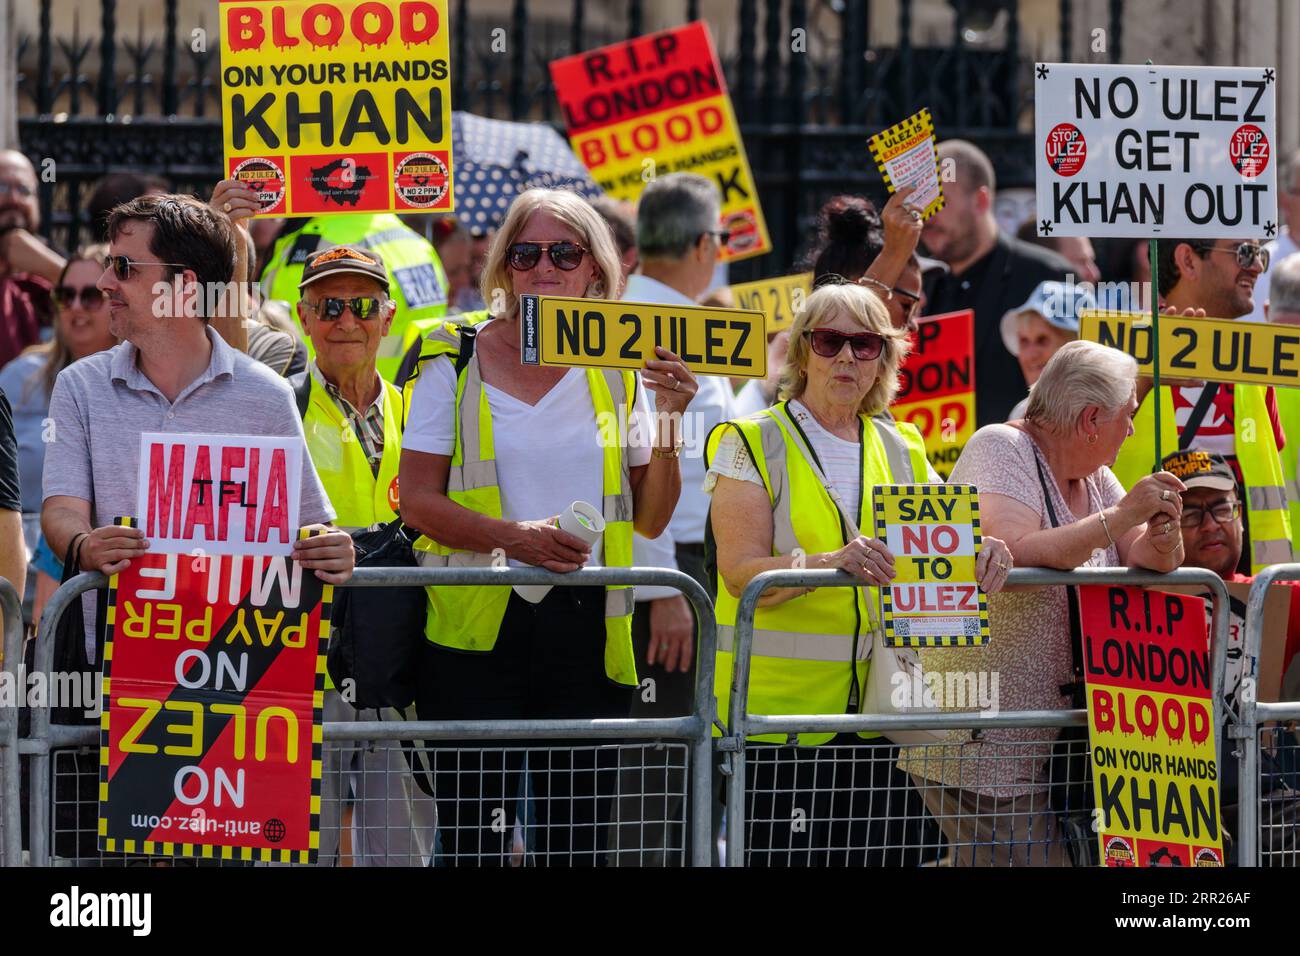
(397, 360)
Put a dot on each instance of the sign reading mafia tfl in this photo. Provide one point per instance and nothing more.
(1149, 151)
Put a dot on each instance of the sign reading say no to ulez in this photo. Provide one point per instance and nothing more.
(1148, 151)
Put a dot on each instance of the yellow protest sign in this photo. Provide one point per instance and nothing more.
(933, 531)
(658, 104)
(597, 333)
(340, 106)
(1151, 727)
(780, 299)
(905, 156)
(1212, 350)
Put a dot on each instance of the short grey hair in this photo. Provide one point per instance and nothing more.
(673, 212)
(1080, 374)
(1284, 287)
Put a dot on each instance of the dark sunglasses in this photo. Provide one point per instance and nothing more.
(122, 265)
(331, 309)
(565, 255)
(722, 235)
(90, 296)
(1246, 254)
(828, 343)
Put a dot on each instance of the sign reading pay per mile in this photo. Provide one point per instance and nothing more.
(338, 106)
(1149, 151)
(1151, 727)
(597, 333)
(933, 531)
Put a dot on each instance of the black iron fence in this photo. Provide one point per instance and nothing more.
(121, 95)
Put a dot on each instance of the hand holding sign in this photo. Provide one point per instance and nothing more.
(329, 554)
(866, 559)
(671, 381)
(1154, 500)
(902, 221)
(110, 549)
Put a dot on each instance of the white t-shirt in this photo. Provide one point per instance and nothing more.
(548, 455)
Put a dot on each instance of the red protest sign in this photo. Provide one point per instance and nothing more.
(658, 104)
(1151, 727)
(210, 736)
(937, 386)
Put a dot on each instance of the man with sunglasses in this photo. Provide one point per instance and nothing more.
(1217, 278)
(1212, 539)
(28, 267)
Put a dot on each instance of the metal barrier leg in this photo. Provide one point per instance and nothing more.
(11, 836)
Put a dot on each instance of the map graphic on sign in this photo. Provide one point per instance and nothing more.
(1151, 727)
(210, 737)
(1150, 151)
(933, 531)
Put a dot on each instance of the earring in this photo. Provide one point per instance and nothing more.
(1092, 439)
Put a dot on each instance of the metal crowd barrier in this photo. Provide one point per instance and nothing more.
(690, 734)
(836, 773)
(11, 838)
(1268, 799)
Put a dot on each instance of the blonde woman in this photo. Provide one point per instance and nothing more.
(494, 451)
(792, 487)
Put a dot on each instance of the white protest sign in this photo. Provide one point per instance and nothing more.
(1149, 151)
(219, 494)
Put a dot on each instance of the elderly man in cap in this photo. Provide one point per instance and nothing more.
(353, 422)
(1212, 537)
(1034, 331)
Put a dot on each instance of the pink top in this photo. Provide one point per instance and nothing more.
(1029, 646)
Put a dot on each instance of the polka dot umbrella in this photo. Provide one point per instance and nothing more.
(495, 160)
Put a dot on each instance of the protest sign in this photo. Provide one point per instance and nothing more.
(1151, 727)
(905, 156)
(595, 333)
(219, 494)
(937, 386)
(1212, 350)
(780, 299)
(658, 104)
(933, 531)
(210, 738)
(338, 106)
(1149, 151)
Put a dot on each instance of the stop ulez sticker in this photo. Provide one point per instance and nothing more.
(1248, 150)
(421, 179)
(1066, 149)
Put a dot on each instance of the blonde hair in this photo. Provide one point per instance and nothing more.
(1078, 375)
(576, 213)
(867, 309)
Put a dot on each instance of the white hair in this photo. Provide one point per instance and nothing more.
(1080, 374)
(1284, 287)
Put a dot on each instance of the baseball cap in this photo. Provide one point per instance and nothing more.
(1059, 303)
(1200, 469)
(344, 260)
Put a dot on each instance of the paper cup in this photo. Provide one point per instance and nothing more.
(582, 520)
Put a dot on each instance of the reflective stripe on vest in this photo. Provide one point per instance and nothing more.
(1267, 511)
(470, 618)
(416, 280)
(809, 650)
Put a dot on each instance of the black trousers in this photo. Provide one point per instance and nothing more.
(844, 803)
(549, 661)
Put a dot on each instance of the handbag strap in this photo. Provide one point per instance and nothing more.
(1075, 689)
(1198, 415)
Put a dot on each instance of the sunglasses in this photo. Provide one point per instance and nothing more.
(722, 235)
(828, 343)
(122, 265)
(1247, 253)
(565, 255)
(331, 309)
(89, 296)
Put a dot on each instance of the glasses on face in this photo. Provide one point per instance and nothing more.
(1247, 253)
(829, 342)
(89, 296)
(21, 190)
(722, 235)
(331, 309)
(565, 255)
(1222, 512)
(122, 265)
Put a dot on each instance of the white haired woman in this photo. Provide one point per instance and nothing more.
(1046, 488)
(792, 487)
(494, 451)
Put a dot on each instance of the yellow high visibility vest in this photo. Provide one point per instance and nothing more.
(1257, 454)
(413, 359)
(810, 653)
(416, 280)
(1288, 410)
(469, 619)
